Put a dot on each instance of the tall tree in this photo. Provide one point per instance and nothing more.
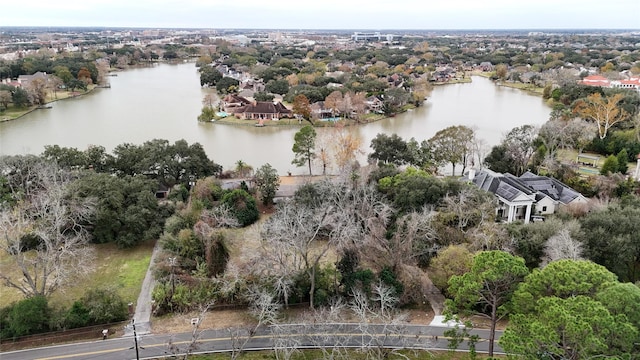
(488, 287)
(304, 146)
(20, 97)
(43, 235)
(577, 327)
(301, 106)
(604, 111)
(562, 279)
(333, 102)
(452, 145)
(609, 239)
(389, 149)
(268, 182)
(515, 151)
(209, 76)
(346, 146)
(37, 89)
(5, 98)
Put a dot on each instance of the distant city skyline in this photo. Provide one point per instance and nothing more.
(327, 14)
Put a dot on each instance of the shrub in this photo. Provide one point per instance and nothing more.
(27, 317)
(243, 206)
(77, 316)
(174, 224)
(179, 193)
(610, 165)
(623, 159)
(105, 306)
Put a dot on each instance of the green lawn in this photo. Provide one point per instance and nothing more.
(123, 269)
(569, 156)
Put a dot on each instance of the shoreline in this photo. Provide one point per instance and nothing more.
(293, 123)
(43, 106)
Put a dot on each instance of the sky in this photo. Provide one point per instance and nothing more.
(326, 14)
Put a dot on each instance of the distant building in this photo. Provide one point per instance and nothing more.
(24, 80)
(632, 83)
(373, 36)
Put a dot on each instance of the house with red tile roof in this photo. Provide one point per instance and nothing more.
(595, 80)
(632, 83)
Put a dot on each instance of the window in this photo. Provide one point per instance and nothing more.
(544, 208)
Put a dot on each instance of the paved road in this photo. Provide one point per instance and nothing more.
(331, 335)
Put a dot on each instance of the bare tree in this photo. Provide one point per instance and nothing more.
(265, 310)
(358, 105)
(196, 334)
(383, 330)
(346, 146)
(471, 206)
(562, 246)
(305, 233)
(581, 133)
(323, 154)
(295, 232)
(37, 89)
(53, 222)
(604, 111)
(333, 102)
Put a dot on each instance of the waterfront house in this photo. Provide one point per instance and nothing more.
(24, 80)
(230, 103)
(263, 110)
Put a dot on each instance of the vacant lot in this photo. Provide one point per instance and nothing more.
(123, 269)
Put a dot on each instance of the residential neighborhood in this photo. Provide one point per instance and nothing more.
(290, 194)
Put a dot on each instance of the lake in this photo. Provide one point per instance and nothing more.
(165, 100)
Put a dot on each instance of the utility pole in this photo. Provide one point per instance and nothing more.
(135, 338)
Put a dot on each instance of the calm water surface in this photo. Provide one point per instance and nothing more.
(164, 102)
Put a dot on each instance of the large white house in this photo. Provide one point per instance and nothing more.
(520, 198)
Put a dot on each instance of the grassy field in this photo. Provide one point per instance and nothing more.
(123, 269)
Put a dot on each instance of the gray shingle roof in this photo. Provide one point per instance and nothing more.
(510, 187)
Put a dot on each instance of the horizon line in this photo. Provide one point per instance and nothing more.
(321, 29)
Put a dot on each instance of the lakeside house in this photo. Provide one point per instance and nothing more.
(25, 80)
(245, 109)
(522, 198)
(631, 82)
(263, 110)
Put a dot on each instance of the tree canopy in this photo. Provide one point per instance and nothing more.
(487, 287)
(304, 146)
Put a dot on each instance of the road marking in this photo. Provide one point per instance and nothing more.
(83, 354)
(416, 336)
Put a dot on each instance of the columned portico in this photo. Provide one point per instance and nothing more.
(518, 210)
